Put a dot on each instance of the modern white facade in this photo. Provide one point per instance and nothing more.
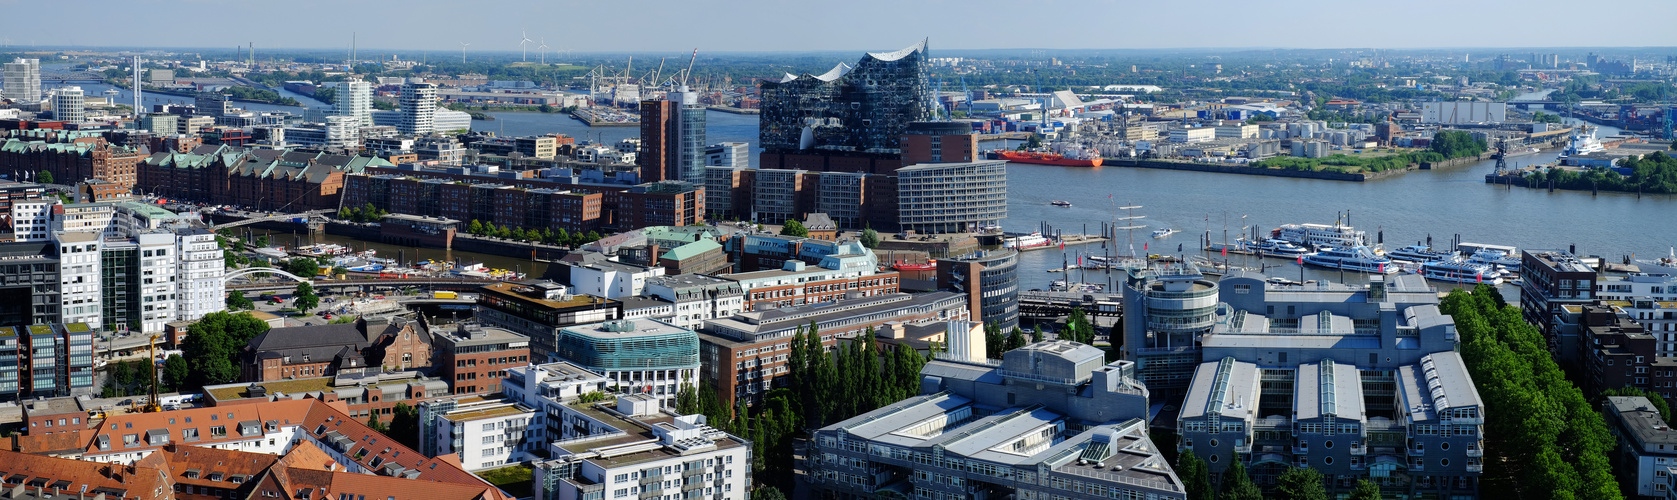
(23, 80)
(31, 219)
(341, 131)
(158, 285)
(728, 154)
(95, 218)
(696, 298)
(69, 105)
(611, 279)
(201, 269)
(483, 433)
(635, 450)
(355, 100)
(1650, 299)
(79, 277)
(1196, 134)
(419, 107)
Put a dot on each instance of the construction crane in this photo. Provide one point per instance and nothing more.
(689, 72)
(153, 403)
(968, 94)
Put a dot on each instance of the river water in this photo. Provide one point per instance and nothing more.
(1407, 208)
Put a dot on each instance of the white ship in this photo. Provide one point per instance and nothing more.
(1322, 235)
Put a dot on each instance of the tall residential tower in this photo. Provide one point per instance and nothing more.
(23, 80)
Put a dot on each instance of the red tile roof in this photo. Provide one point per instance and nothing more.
(72, 477)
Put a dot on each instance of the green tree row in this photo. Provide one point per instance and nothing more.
(1654, 173)
(1297, 483)
(1540, 431)
(543, 235)
(214, 345)
(364, 213)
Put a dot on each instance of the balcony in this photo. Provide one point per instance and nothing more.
(1358, 449)
(1475, 467)
(1417, 452)
(1297, 450)
(1475, 451)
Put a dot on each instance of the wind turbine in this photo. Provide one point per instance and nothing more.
(523, 44)
(463, 46)
(543, 47)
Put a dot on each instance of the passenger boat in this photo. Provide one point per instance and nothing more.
(1163, 232)
(1032, 240)
(1358, 258)
(1419, 253)
(1060, 203)
(1497, 258)
(1321, 235)
(271, 252)
(1280, 248)
(1460, 270)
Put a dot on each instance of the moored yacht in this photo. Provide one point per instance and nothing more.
(1358, 258)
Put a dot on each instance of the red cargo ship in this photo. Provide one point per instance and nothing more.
(1046, 159)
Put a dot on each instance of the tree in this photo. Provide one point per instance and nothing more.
(304, 299)
(1036, 334)
(345, 214)
(1196, 477)
(262, 241)
(404, 425)
(1236, 485)
(1366, 490)
(305, 267)
(994, 342)
(870, 238)
(1015, 340)
(237, 301)
(214, 345)
(767, 493)
(176, 371)
(1300, 483)
(475, 228)
(374, 423)
(794, 228)
(44, 177)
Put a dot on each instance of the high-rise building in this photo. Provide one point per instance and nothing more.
(990, 280)
(728, 154)
(213, 104)
(851, 109)
(419, 107)
(673, 138)
(355, 100)
(23, 80)
(200, 277)
(69, 105)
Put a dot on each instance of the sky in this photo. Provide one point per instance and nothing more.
(837, 25)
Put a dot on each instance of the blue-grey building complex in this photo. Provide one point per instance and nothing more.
(863, 108)
(1357, 382)
(990, 280)
(1052, 420)
(642, 356)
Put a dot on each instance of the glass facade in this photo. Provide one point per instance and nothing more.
(862, 108)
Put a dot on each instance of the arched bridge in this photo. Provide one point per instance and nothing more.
(258, 270)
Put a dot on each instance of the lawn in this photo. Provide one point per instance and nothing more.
(515, 479)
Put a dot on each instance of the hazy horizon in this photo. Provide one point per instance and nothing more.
(762, 26)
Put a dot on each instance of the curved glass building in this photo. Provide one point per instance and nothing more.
(642, 356)
(990, 280)
(863, 108)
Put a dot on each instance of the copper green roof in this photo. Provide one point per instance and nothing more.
(690, 250)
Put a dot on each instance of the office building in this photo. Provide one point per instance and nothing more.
(728, 154)
(482, 433)
(728, 192)
(355, 100)
(745, 354)
(473, 358)
(1650, 299)
(69, 105)
(212, 104)
(30, 293)
(695, 298)
(644, 356)
(1647, 446)
(673, 138)
(79, 263)
(863, 108)
(590, 455)
(952, 197)
(71, 162)
(1417, 429)
(539, 309)
(418, 105)
(989, 280)
(22, 80)
(201, 290)
(1616, 351)
(1053, 420)
(1552, 279)
(851, 272)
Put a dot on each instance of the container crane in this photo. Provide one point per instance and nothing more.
(968, 94)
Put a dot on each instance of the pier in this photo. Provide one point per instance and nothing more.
(605, 118)
(1068, 240)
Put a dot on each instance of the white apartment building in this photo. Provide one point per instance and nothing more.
(355, 100)
(201, 269)
(627, 449)
(1650, 299)
(418, 105)
(483, 433)
(95, 218)
(79, 277)
(22, 80)
(32, 219)
(697, 297)
(69, 104)
(1195, 134)
(158, 285)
